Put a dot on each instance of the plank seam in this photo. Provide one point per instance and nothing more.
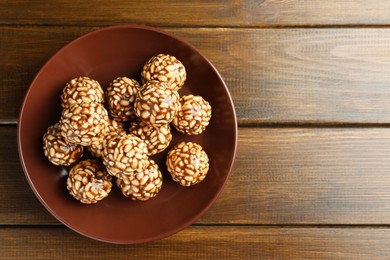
(340, 226)
(261, 26)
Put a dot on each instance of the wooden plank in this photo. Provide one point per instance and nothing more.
(23, 50)
(197, 13)
(274, 75)
(317, 12)
(282, 176)
(308, 176)
(107, 12)
(204, 243)
(17, 201)
(302, 75)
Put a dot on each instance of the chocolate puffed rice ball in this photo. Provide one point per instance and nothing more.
(89, 182)
(142, 185)
(156, 104)
(81, 90)
(115, 128)
(84, 123)
(156, 138)
(194, 115)
(165, 68)
(122, 155)
(121, 95)
(58, 150)
(187, 163)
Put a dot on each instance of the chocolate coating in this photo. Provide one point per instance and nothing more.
(57, 150)
(142, 185)
(81, 90)
(84, 123)
(187, 163)
(165, 68)
(89, 182)
(156, 104)
(115, 128)
(121, 95)
(194, 115)
(122, 155)
(156, 138)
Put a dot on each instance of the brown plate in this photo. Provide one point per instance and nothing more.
(104, 55)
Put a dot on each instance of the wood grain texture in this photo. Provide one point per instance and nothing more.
(107, 12)
(18, 203)
(296, 192)
(204, 243)
(274, 75)
(282, 176)
(260, 13)
(308, 176)
(302, 75)
(316, 12)
(23, 51)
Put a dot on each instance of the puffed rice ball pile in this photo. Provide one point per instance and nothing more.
(95, 119)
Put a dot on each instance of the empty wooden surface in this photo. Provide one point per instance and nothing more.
(311, 85)
(237, 13)
(274, 75)
(199, 242)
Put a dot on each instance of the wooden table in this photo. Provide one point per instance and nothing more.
(310, 80)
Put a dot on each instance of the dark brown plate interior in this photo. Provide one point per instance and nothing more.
(104, 55)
